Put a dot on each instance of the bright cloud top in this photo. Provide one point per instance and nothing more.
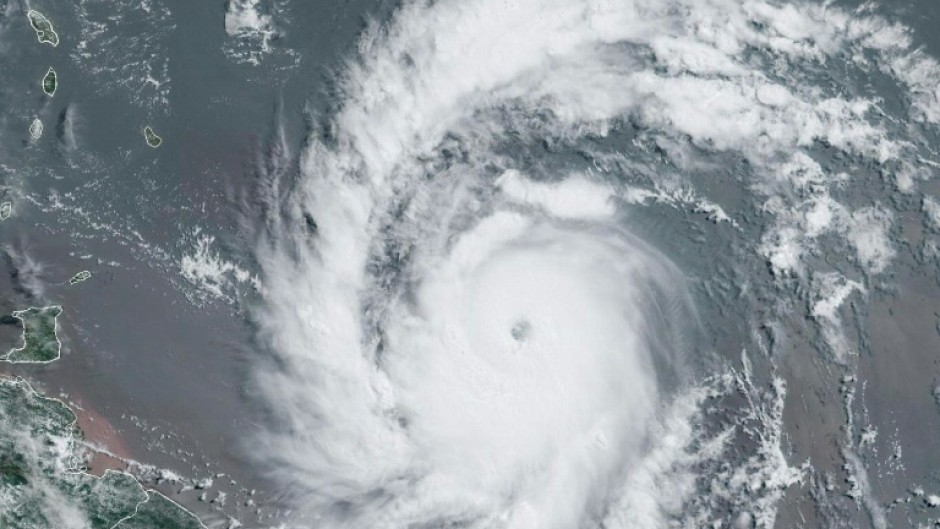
(460, 342)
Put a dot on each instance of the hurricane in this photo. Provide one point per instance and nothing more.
(467, 323)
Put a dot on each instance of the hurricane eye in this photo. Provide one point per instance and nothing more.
(521, 330)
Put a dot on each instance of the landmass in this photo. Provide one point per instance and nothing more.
(43, 478)
(152, 139)
(50, 82)
(159, 512)
(6, 209)
(35, 129)
(40, 343)
(43, 28)
(84, 275)
(44, 465)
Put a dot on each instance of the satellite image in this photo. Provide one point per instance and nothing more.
(469, 264)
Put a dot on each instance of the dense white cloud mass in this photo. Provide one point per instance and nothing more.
(251, 27)
(464, 340)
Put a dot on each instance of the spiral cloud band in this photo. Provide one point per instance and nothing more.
(464, 331)
(509, 380)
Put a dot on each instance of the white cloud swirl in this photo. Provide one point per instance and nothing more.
(459, 344)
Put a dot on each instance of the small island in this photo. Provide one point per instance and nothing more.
(40, 342)
(152, 139)
(43, 28)
(50, 82)
(35, 129)
(84, 275)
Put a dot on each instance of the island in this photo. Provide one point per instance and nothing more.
(50, 82)
(40, 342)
(43, 478)
(6, 209)
(43, 28)
(152, 139)
(84, 275)
(35, 129)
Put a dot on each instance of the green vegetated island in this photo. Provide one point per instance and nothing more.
(40, 342)
(50, 82)
(43, 478)
(152, 139)
(43, 28)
